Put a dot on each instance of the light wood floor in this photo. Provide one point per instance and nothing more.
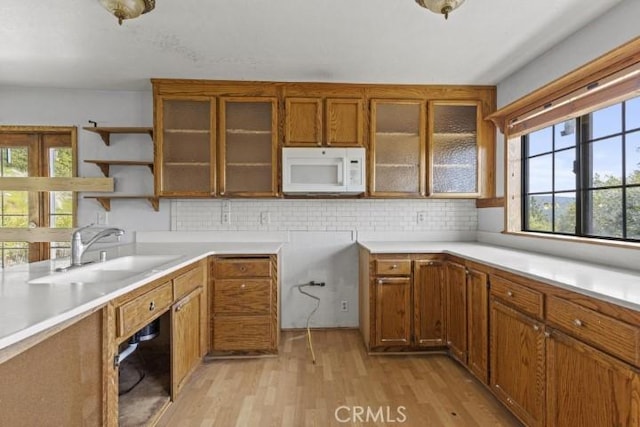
(291, 391)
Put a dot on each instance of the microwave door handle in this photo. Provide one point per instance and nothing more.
(341, 169)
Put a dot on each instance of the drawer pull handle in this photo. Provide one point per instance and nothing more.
(509, 293)
(152, 306)
(380, 282)
(243, 286)
(178, 308)
(394, 266)
(243, 268)
(577, 322)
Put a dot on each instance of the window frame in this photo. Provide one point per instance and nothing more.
(583, 169)
(606, 80)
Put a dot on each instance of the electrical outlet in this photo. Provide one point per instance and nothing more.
(226, 217)
(344, 305)
(226, 212)
(422, 217)
(265, 218)
(102, 218)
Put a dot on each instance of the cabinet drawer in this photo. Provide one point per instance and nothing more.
(242, 333)
(390, 267)
(141, 310)
(524, 299)
(242, 296)
(242, 267)
(186, 282)
(611, 335)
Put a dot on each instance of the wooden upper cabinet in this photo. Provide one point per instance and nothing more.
(185, 141)
(339, 124)
(397, 149)
(303, 117)
(454, 148)
(344, 122)
(248, 147)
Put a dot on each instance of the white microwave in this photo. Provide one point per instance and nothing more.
(323, 170)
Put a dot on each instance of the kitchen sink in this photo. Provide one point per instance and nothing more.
(107, 271)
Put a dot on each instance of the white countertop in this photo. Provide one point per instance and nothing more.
(27, 309)
(614, 285)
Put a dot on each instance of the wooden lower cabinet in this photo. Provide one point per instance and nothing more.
(502, 327)
(429, 306)
(177, 303)
(244, 305)
(586, 387)
(392, 311)
(478, 324)
(457, 311)
(467, 309)
(518, 363)
(406, 303)
(186, 332)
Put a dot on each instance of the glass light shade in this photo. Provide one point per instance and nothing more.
(441, 6)
(127, 9)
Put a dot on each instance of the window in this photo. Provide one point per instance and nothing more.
(35, 154)
(582, 176)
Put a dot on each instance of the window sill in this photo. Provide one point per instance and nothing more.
(574, 239)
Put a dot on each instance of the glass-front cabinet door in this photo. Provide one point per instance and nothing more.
(185, 146)
(248, 146)
(453, 148)
(397, 148)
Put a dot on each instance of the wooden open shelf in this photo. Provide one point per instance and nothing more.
(105, 201)
(105, 132)
(105, 164)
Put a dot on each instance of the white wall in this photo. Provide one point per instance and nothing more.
(57, 107)
(322, 241)
(612, 29)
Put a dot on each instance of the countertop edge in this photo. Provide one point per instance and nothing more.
(185, 260)
(371, 247)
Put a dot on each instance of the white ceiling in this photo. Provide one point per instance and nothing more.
(77, 44)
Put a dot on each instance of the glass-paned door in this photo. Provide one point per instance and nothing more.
(59, 206)
(33, 154)
(15, 209)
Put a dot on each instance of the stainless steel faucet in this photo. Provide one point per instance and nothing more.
(78, 247)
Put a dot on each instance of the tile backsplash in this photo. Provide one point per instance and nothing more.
(324, 215)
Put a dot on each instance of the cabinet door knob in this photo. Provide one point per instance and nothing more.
(536, 327)
(243, 286)
(394, 266)
(152, 306)
(577, 322)
(243, 268)
(380, 282)
(547, 334)
(509, 293)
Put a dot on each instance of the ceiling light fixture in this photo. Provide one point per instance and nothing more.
(444, 7)
(128, 9)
